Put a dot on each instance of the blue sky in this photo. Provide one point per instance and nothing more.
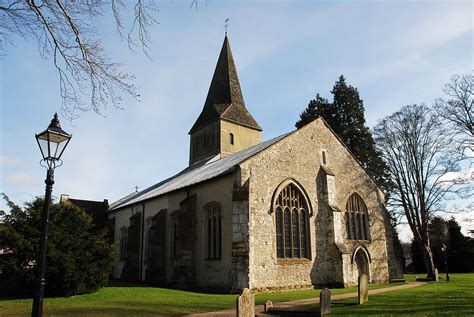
(395, 53)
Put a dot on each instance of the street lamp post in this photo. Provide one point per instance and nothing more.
(52, 143)
(444, 248)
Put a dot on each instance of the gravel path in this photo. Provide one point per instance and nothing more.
(301, 302)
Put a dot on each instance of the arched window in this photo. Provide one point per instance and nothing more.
(123, 243)
(214, 231)
(291, 223)
(148, 237)
(357, 219)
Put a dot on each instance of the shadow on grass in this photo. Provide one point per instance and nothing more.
(130, 308)
(338, 304)
(119, 283)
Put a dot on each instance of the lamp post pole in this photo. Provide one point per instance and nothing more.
(444, 248)
(52, 143)
(43, 250)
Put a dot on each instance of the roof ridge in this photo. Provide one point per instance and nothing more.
(202, 171)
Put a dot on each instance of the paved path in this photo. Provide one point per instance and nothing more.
(301, 302)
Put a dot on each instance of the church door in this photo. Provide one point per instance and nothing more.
(362, 263)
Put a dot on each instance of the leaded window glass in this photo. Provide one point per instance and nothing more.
(291, 223)
(357, 219)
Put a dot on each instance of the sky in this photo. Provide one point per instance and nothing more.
(395, 53)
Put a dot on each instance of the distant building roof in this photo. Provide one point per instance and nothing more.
(197, 173)
(224, 99)
(96, 209)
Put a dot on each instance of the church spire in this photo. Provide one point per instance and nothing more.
(224, 99)
(224, 126)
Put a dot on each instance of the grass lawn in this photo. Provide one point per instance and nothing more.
(453, 298)
(122, 299)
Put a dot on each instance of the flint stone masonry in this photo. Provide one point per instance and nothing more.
(246, 304)
(331, 261)
(363, 289)
(245, 195)
(325, 302)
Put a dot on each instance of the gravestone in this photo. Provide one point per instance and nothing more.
(246, 304)
(325, 302)
(363, 289)
(436, 274)
(268, 304)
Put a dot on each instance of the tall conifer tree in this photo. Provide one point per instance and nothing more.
(345, 115)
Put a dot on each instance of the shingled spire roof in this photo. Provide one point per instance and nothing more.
(224, 99)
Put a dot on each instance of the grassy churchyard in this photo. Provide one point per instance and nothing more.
(455, 298)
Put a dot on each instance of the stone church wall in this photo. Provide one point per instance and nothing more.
(298, 157)
(209, 274)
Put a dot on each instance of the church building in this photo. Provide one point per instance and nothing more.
(293, 212)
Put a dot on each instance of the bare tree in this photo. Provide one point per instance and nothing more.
(417, 152)
(66, 32)
(457, 108)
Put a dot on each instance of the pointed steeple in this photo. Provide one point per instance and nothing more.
(224, 99)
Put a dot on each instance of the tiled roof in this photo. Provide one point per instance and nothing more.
(196, 173)
(224, 99)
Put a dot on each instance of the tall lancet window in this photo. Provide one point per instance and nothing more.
(214, 231)
(291, 223)
(357, 219)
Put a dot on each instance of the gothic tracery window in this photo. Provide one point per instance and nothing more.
(214, 231)
(291, 223)
(357, 219)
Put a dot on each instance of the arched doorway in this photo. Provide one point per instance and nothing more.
(361, 260)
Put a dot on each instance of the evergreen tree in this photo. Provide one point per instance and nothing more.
(345, 115)
(397, 246)
(460, 249)
(79, 259)
(417, 257)
(438, 232)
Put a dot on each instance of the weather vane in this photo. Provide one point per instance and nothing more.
(226, 25)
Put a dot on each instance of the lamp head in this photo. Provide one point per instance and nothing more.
(52, 142)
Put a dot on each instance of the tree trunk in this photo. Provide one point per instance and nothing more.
(428, 258)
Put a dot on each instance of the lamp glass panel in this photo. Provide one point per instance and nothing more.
(43, 144)
(53, 149)
(60, 149)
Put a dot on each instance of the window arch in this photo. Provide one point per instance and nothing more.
(123, 243)
(213, 231)
(291, 223)
(357, 219)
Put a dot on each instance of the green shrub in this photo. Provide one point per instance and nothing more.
(79, 258)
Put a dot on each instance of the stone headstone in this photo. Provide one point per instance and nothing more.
(325, 302)
(363, 289)
(436, 275)
(268, 304)
(246, 304)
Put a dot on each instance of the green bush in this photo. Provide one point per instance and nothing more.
(79, 258)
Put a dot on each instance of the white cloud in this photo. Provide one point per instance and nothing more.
(5, 160)
(21, 180)
(465, 176)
